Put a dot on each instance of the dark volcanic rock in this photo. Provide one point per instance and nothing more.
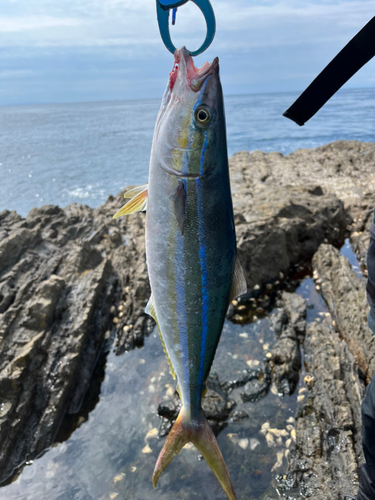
(290, 322)
(256, 382)
(256, 388)
(323, 464)
(339, 356)
(278, 321)
(343, 168)
(260, 374)
(361, 215)
(216, 403)
(295, 308)
(345, 295)
(238, 415)
(216, 406)
(280, 227)
(63, 279)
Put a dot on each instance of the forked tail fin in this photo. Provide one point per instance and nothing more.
(200, 434)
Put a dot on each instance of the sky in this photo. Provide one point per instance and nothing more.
(55, 51)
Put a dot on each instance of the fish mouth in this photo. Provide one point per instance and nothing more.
(184, 68)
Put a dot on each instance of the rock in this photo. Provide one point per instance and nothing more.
(361, 215)
(255, 389)
(61, 271)
(238, 415)
(295, 308)
(285, 358)
(170, 409)
(342, 168)
(286, 226)
(278, 321)
(286, 363)
(215, 404)
(345, 295)
(328, 449)
(258, 378)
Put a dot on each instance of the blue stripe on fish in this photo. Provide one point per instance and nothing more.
(182, 320)
(204, 149)
(204, 279)
(201, 93)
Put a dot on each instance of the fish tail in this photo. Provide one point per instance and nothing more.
(198, 432)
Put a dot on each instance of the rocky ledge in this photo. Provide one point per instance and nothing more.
(73, 280)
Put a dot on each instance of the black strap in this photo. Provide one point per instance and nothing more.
(352, 57)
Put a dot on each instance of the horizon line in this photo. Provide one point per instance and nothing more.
(157, 98)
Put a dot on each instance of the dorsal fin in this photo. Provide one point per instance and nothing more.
(150, 310)
(239, 286)
(137, 203)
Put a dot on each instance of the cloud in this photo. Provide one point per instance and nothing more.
(16, 73)
(27, 23)
(111, 49)
(241, 24)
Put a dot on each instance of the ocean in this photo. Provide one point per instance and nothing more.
(64, 153)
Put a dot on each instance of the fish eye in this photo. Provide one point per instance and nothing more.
(202, 115)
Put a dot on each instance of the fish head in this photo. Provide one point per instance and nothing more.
(191, 120)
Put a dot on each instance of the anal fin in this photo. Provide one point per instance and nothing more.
(151, 311)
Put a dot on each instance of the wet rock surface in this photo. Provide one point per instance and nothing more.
(217, 405)
(278, 228)
(72, 280)
(345, 295)
(339, 352)
(64, 290)
(285, 357)
(343, 168)
(361, 215)
(323, 463)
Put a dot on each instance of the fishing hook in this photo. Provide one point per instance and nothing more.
(164, 6)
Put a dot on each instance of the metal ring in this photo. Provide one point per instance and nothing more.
(167, 4)
(163, 7)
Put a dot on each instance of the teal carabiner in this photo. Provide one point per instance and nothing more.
(164, 6)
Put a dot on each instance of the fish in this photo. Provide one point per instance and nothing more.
(192, 261)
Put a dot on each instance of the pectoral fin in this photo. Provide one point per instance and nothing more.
(137, 203)
(179, 200)
(239, 286)
(133, 192)
(151, 311)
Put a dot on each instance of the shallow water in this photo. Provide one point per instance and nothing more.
(347, 251)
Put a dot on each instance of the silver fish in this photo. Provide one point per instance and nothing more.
(190, 246)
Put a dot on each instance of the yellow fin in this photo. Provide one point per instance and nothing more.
(137, 204)
(150, 309)
(239, 286)
(133, 192)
